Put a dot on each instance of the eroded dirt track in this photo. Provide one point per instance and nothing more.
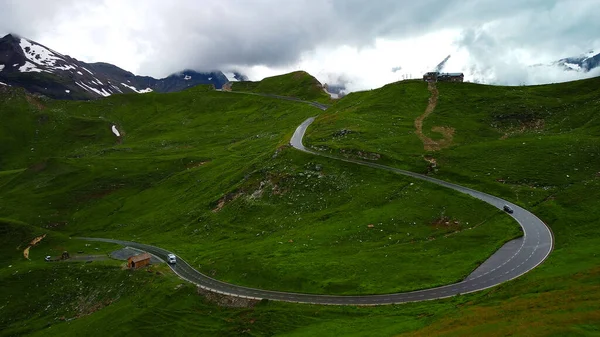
(447, 132)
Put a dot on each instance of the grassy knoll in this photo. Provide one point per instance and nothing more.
(208, 175)
(298, 84)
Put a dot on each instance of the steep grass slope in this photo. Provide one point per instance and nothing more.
(183, 156)
(537, 146)
(209, 175)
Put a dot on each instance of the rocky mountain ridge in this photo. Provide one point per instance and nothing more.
(41, 70)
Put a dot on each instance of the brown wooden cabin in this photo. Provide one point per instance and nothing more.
(138, 261)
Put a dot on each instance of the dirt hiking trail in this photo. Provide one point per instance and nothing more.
(447, 132)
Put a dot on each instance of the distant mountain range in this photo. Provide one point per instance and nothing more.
(583, 63)
(39, 69)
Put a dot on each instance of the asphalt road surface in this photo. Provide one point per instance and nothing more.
(514, 259)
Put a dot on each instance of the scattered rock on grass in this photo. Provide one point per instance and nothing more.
(227, 301)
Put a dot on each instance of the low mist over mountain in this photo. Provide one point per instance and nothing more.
(42, 70)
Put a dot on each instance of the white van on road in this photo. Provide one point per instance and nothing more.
(171, 258)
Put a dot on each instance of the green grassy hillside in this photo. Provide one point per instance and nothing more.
(537, 146)
(298, 84)
(209, 175)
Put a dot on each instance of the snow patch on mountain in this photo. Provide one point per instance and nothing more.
(85, 80)
(29, 67)
(143, 91)
(582, 63)
(100, 92)
(572, 66)
(231, 77)
(38, 54)
(65, 67)
(117, 88)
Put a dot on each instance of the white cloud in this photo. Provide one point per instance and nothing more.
(354, 41)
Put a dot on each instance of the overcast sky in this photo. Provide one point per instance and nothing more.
(364, 43)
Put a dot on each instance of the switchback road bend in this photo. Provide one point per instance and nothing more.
(514, 259)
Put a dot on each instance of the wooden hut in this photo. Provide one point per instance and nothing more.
(138, 261)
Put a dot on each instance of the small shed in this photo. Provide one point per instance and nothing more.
(138, 261)
(431, 76)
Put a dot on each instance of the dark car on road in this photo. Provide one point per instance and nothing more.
(507, 209)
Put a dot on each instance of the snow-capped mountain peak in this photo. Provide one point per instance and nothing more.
(39, 54)
(582, 63)
(591, 53)
(23, 61)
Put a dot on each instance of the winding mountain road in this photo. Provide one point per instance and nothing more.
(514, 259)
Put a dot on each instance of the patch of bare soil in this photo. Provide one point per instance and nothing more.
(279, 150)
(225, 200)
(447, 132)
(361, 154)
(33, 242)
(33, 101)
(195, 165)
(226, 86)
(254, 191)
(37, 167)
(121, 133)
(227, 301)
(89, 304)
(536, 125)
(431, 160)
(433, 165)
(446, 223)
